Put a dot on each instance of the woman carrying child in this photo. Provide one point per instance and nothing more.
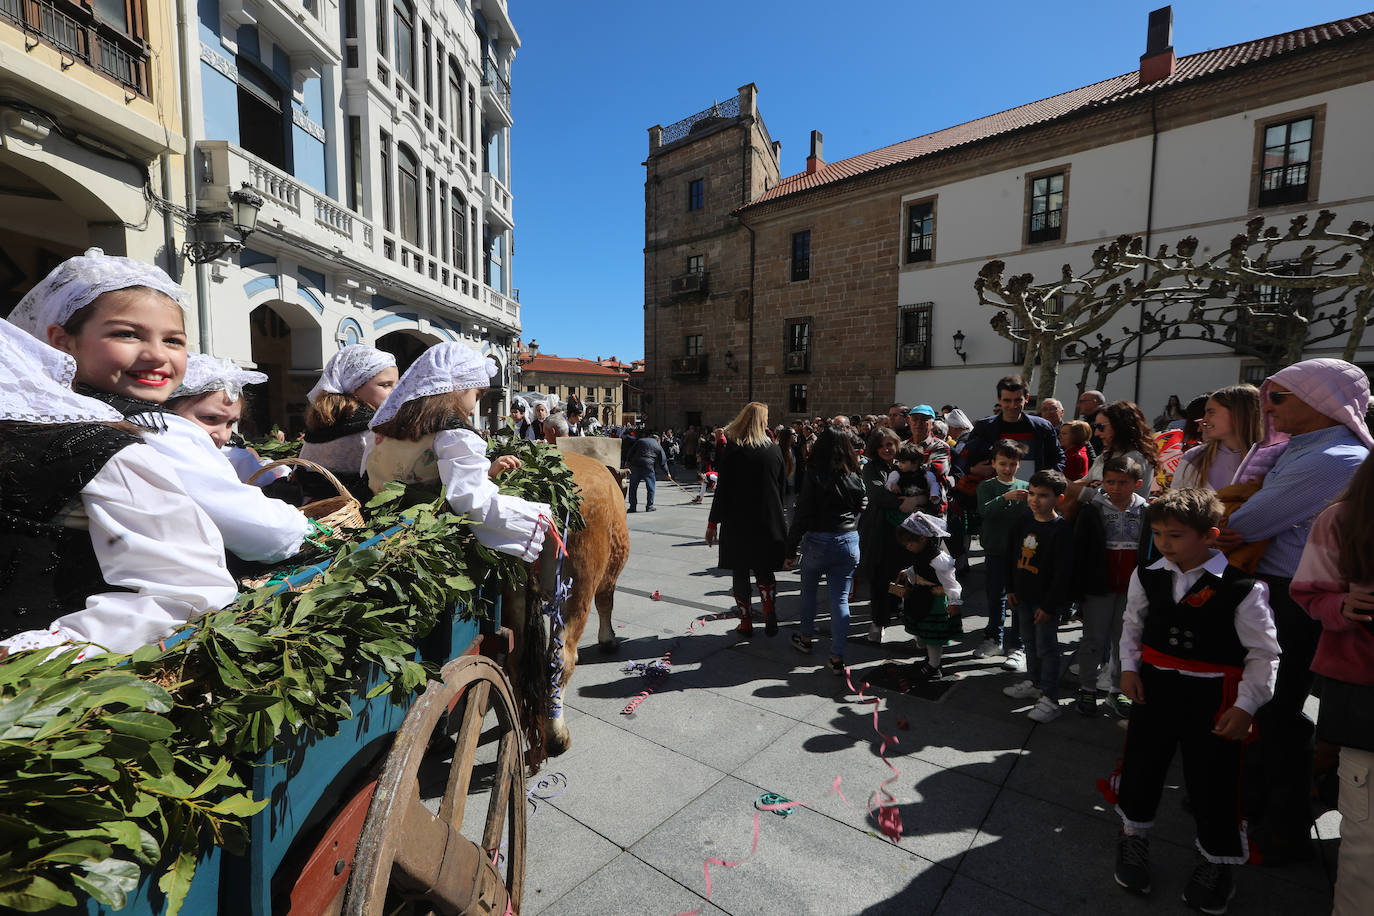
(933, 596)
(356, 382)
(879, 556)
(424, 435)
(124, 323)
(98, 544)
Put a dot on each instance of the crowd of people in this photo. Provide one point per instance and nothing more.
(1218, 559)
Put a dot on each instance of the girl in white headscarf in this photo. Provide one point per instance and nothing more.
(212, 397)
(356, 381)
(98, 543)
(424, 435)
(124, 323)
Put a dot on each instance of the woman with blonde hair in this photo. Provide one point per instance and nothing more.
(748, 503)
(1231, 423)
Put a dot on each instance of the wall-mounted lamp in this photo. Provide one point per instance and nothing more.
(730, 361)
(959, 345)
(247, 205)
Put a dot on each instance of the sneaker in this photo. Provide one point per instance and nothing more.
(1016, 660)
(1086, 703)
(987, 648)
(1022, 690)
(801, 643)
(1210, 888)
(1044, 710)
(1119, 705)
(650, 508)
(1133, 864)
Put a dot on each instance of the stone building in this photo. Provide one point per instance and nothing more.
(863, 269)
(697, 263)
(597, 386)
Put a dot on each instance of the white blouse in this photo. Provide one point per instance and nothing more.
(246, 464)
(943, 565)
(149, 537)
(505, 523)
(254, 526)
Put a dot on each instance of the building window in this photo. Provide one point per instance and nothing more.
(1046, 220)
(355, 163)
(913, 335)
(263, 117)
(696, 194)
(797, 347)
(920, 232)
(403, 25)
(696, 264)
(610, 394)
(408, 167)
(431, 214)
(691, 345)
(1253, 374)
(458, 208)
(796, 399)
(455, 101)
(801, 255)
(425, 61)
(1286, 163)
(388, 222)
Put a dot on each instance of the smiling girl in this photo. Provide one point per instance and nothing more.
(1231, 423)
(124, 323)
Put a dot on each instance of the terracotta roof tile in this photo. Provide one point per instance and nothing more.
(1191, 67)
(573, 365)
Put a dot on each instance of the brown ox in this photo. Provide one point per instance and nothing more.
(596, 556)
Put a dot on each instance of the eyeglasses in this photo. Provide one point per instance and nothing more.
(1276, 397)
(1101, 427)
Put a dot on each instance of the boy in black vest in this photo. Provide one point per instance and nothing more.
(1199, 654)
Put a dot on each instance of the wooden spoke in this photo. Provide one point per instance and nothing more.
(408, 855)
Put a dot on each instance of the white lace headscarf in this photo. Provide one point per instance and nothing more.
(207, 373)
(36, 384)
(350, 369)
(929, 526)
(442, 368)
(77, 282)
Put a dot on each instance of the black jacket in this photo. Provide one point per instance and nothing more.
(827, 502)
(748, 507)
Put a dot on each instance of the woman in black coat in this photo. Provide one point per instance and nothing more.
(748, 504)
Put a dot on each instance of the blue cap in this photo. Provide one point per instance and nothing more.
(922, 410)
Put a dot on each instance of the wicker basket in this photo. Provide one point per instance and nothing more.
(336, 512)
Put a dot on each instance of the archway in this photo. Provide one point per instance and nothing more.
(406, 346)
(287, 345)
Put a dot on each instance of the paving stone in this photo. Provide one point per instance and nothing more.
(966, 897)
(627, 887)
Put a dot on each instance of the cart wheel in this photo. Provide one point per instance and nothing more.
(412, 860)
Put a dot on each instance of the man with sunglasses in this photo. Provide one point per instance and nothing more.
(1315, 439)
(897, 422)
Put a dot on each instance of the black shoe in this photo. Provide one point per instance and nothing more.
(632, 509)
(1086, 703)
(651, 509)
(925, 671)
(1133, 864)
(1210, 888)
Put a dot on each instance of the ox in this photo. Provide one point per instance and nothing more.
(596, 557)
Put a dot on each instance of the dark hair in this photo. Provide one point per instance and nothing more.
(1355, 556)
(1194, 507)
(876, 439)
(1010, 448)
(421, 416)
(833, 453)
(910, 451)
(1130, 430)
(1123, 465)
(1192, 415)
(1010, 383)
(1050, 480)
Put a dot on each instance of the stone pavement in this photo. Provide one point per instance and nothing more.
(1000, 815)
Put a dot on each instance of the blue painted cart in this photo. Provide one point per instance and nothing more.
(345, 830)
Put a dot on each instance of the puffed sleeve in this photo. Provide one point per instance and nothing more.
(246, 464)
(254, 526)
(506, 523)
(152, 539)
(943, 564)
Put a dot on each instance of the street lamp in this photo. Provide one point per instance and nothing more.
(959, 345)
(247, 204)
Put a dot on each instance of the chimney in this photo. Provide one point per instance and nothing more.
(1158, 60)
(533, 347)
(814, 162)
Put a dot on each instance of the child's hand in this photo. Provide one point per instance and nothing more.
(901, 577)
(1016, 496)
(1233, 725)
(1132, 687)
(1042, 617)
(503, 464)
(953, 609)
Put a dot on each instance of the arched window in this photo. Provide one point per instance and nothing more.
(409, 167)
(457, 213)
(403, 19)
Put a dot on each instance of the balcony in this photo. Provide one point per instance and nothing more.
(297, 215)
(74, 30)
(797, 361)
(692, 283)
(686, 368)
(495, 92)
(497, 200)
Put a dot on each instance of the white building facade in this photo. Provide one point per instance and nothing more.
(377, 132)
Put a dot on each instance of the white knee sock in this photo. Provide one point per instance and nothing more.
(934, 654)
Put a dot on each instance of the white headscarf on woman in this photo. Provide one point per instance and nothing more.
(77, 282)
(36, 384)
(442, 368)
(350, 369)
(208, 373)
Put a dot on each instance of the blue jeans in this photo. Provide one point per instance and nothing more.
(836, 555)
(995, 581)
(1042, 649)
(636, 475)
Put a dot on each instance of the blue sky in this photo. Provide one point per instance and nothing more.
(590, 79)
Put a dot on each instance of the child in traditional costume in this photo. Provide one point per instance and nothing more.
(356, 381)
(424, 435)
(98, 544)
(123, 322)
(933, 596)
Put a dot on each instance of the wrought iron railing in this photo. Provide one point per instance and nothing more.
(1045, 225)
(726, 109)
(74, 30)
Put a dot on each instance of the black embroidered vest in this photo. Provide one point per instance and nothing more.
(1202, 626)
(141, 413)
(46, 568)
